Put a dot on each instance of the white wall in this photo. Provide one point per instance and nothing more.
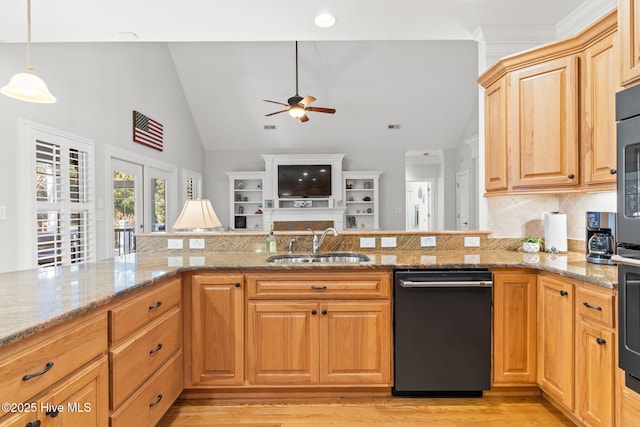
(97, 86)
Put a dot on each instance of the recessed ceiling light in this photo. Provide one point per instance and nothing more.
(325, 20)
(128, 35)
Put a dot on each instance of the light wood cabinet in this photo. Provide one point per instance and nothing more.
(495, 130)
(629, 36)
(514, 329)
(600, 83)
(146, 339)
(555, 355)
(543, 118)
(217, 329)
(319, 328)
(595, 355)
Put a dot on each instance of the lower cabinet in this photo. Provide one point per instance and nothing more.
(556, 340)
(310, 343)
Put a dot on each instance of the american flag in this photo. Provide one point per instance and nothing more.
(147, 131)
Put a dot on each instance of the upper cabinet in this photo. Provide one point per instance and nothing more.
(549, 116)
(629, 36)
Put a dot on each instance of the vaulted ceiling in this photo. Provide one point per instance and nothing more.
(406, 62)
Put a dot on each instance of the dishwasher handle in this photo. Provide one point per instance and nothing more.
(445, 284)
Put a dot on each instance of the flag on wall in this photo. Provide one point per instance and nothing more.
(147, 131)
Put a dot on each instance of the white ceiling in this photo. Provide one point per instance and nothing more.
(407, 62)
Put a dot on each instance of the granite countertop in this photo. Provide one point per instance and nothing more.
(33, 300)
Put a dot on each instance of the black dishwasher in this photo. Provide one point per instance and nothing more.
(442, 332)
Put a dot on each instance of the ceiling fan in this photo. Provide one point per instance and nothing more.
(297, 105)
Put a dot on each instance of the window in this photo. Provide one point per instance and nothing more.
(62, 197)
(192, 182)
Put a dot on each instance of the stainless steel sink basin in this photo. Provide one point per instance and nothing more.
(322, 258)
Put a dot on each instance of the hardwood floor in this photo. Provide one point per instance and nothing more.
(371, 412)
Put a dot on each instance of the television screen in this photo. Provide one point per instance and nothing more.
(304, 180)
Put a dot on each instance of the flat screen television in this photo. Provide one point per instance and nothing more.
(304, 181)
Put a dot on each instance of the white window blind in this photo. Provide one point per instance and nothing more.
(64, 201)
(192, 184)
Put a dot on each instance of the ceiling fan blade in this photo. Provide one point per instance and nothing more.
(307, 100)
(276, 102)
(277, 112)
(304, 118)
(321, 110)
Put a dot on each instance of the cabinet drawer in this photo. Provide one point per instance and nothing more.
(51, 360)
(595, 305)
(128, 317)
(148, 405)
(137, 358)
(319, 285)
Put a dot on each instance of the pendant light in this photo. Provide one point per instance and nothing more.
(27, 86)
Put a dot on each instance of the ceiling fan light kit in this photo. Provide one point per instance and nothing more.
(27, 86)
(297, 105)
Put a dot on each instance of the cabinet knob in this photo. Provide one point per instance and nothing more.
(324, 312)
(53, 413)
(313, 312)
(613, 171)
(35, 423)
(237, 284)
(571, 176)
(601, 341)
(564, 293)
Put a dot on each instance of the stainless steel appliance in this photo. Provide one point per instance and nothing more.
(628, 228)
(442, 332)
(601, 237)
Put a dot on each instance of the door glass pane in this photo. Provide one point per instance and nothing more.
(158, 204)
(49, 239)
(124, 201)
(48, 169)
(632, 180)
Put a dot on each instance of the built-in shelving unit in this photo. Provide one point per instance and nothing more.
(361, 200)
(246, 200)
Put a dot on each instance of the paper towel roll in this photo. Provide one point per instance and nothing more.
(555, 231)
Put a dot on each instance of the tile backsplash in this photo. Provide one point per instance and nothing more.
(519, 215)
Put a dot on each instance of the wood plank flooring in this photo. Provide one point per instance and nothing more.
(370, 412)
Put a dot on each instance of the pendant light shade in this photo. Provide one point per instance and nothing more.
(27, 86)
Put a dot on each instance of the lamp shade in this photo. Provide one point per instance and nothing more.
(28, 87)
(197, 215)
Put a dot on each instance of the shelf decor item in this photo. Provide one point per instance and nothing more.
(531, 244)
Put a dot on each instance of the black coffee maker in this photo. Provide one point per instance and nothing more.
(601, 237)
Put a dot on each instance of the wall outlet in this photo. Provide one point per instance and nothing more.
(426, 241)
(472, 242)
(196, 261)
(472, 259)
(388, 242)
(367, 242)
(175, 261)
(174, 243)
(196, 243)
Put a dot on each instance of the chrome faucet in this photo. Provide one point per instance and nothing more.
(316, 243)
(291, 242)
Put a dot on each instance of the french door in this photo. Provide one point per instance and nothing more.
(128, 202)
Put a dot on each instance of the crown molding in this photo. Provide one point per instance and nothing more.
(583, 16)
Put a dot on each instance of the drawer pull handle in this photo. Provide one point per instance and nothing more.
(593, 307)
(53, 413)
(152, 404)
(157, 349)
(564, 293)
(318, 288)
(46, 369)
(153, 307)
(601, 341)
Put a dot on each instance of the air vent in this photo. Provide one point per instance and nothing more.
(393, 126)
(269, 127)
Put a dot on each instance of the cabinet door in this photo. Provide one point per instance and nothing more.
(601, 82)
(282, 340)
(82, 400)
(555, 340)
(355, 342)
(595, 357)
(629, 33)
(514, 329)
(495, 117)
(543, 124)
(217, 329)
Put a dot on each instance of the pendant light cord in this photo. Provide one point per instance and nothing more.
(29, 67)
(296, 67)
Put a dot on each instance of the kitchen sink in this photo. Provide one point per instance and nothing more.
(321, 258)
